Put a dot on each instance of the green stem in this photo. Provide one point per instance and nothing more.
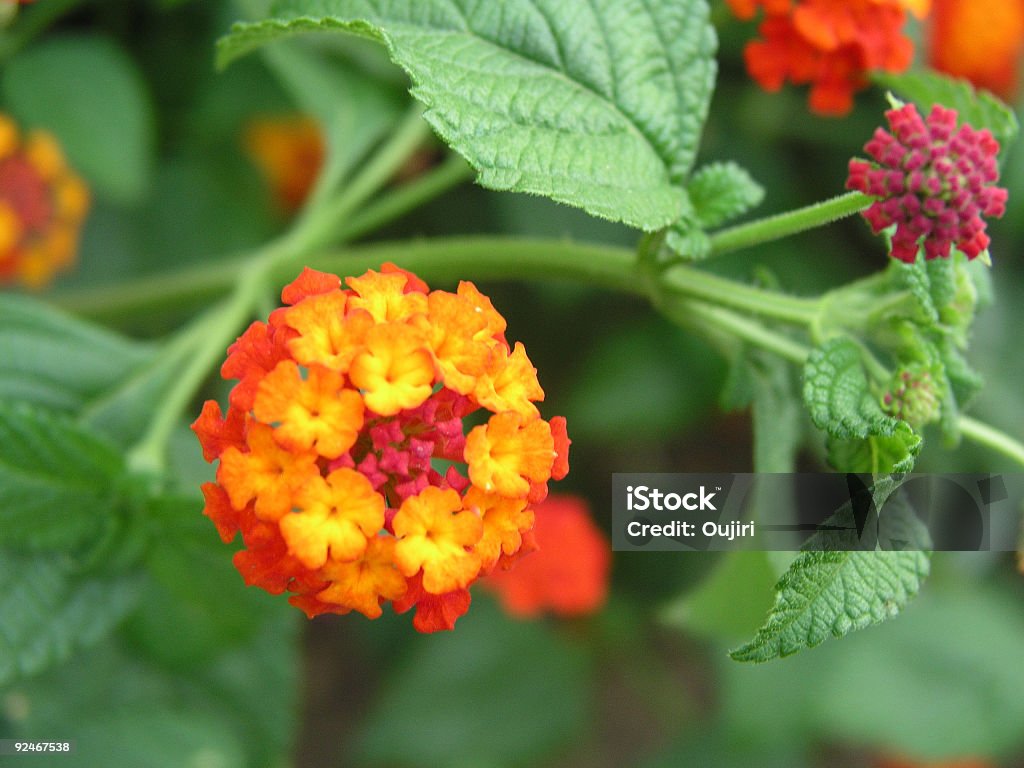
(709, 318)
(391, 206)
(704, 285)
(209, 337)
(990, 437)
(172, 356)
(321, 226)
(495, 258)
(488, 258)
(788, 223)
(177, 291)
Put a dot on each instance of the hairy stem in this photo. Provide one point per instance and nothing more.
(711, 319)
(688, 281)
(320, 226)
(209, 336)
(789, 223)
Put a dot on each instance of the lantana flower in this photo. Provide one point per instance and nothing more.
(344, 457)
(829, 44)
(42, 206)
(289, 151)
(933, 181)
(981, 40)
(567, 574)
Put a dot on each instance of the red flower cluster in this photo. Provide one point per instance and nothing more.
(343, 457)
(829, 44)
(934, 182)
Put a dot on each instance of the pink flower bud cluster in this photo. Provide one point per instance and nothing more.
(933, 181)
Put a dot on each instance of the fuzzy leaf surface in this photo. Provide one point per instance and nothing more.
(47, 612)
(829, 594)
(57, 481)
(596, 104)
(57, 361)
(722, 191)
(836, 392)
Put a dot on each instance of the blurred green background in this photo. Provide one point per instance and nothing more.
(212, 675)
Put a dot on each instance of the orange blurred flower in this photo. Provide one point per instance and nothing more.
(567, 574)
(289, 151)
(346, 401)
(981, 40)
(829, 44)
(42, 206)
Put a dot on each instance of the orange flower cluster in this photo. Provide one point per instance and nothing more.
(343, 457)
(567, 574)
(829, 44)
(42, 206)
(981, 40)
(289, 152)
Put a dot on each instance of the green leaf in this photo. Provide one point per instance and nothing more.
(916, 279)
(88, 93)
(829, 594)
(978, 108)
(722, 191)
(876, 454)
(540, 95)
(963, 379)
(57, 361)
(523, 688)
(57, 481)
(837, 395)
(933, 284)
(192, 583)
(47, 611)
(686, 237)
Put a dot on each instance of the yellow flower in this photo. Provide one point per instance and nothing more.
(436, 535)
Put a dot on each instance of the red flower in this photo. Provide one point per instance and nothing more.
(568, 574)
(829, 44)
(933, 181)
